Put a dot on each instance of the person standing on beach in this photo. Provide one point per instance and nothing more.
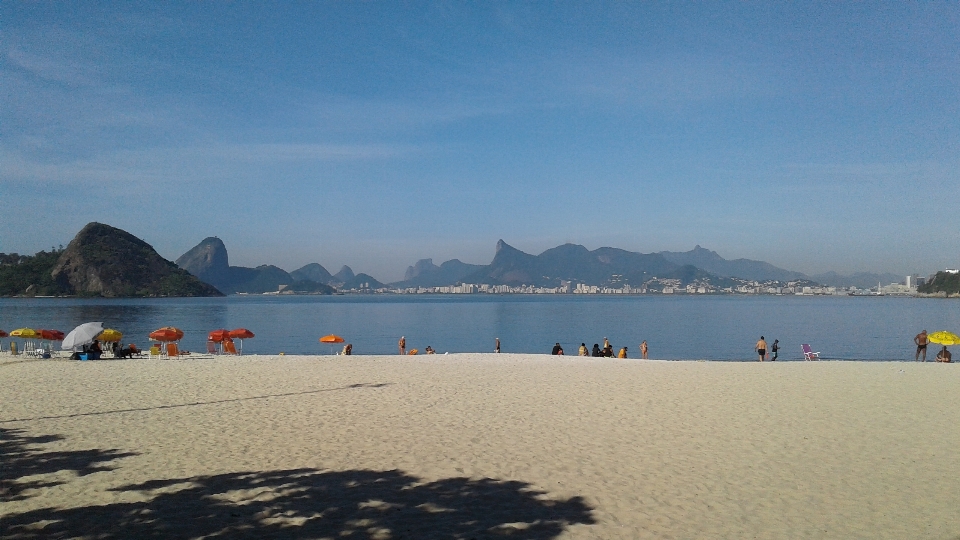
(643, 349)
(761, 348)
(402, 344)
(921, 341)
(774, 349)
(606, 343)
(497, 348)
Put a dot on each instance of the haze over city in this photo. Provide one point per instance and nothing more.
(813, 137)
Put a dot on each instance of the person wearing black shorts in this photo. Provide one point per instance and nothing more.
(774, 349)
(921, 341)
(761, 348)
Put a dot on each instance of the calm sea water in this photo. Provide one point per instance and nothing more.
(680, 327)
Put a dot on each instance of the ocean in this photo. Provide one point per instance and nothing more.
(675, 327)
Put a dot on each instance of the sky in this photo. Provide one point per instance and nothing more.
(816, 137)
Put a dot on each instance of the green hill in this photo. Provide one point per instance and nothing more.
(943, 282)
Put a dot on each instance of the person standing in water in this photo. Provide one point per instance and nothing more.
(774, 349)
(643, 349)
(497, 348)
(761, 348)
(402, 345)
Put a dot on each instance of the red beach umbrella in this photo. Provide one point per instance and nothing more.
(241, 334)
(51, 335)
(3, 334)
(167, 333)
(218, 336)
(331, 339)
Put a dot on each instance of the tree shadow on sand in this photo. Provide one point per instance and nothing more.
(21, 461)
(308, 503)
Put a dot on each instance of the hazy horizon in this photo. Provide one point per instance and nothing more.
(813, 137)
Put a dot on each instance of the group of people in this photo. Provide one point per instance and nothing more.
(922, 340)
(761, 348)
(606, 351)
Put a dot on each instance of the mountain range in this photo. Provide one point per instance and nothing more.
(208, 261)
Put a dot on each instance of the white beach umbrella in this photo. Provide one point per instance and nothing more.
(82, 335)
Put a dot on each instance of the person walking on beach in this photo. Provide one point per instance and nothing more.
(774, 349)
(761, 348)
(497, 348)
(643, 349)
(402, 345)
(921, 341)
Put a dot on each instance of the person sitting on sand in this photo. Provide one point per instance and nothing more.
(557, 349)
(596, 350)
(608, 351)
(95, 351)
(583, 350)
(622, 353)
(429, 350)
(944, 355)
(348, 350)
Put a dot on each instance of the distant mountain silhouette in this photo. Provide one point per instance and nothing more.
(345, 275)
(312, 272)
(208, 261)
(361, 281)
(739, 268)
(575, 263)
(426, 274)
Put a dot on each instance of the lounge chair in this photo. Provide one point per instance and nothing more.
(172, 350)
(154, 351)
(211, 348)
(808, 353)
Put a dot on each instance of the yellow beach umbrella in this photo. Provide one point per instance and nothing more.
(25, 333)
(110, 335)
(942, 337)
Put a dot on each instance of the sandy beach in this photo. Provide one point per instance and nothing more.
(478, 445)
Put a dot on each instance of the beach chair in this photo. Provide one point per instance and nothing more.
(13, 348)
(172, 350)
(808, 353)
(29, 349)
(229, 348)
(154, 351)
(211, 348)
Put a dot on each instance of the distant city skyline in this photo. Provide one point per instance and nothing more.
(813, 137)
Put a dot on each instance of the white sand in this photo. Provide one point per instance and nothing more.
(654, 449)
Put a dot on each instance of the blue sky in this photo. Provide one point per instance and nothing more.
(813, 136)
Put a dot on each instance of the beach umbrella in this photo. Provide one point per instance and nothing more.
(241, 334)
(81, 335)
(110, 335)
(3, 334)
(167, 333)
(944, 338)
(25, 333)
(51, 335)
(218, 336)
(331, 339)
